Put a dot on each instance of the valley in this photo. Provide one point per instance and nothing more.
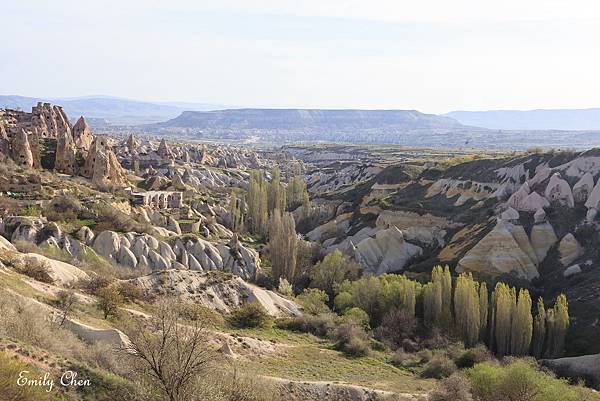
(168, 268)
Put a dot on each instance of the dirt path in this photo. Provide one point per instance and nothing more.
(329, 390)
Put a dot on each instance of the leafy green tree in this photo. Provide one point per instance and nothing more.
(296, 192)
(466, 309)
(276, 193)
(283, 245)
(109, 300)
(332, 271)
(432, 303)
(257, 203)
(314, 301)
(502, 310)
(236, 210)
(522, 325)
(483, 311)
(539, 329)
(65, 302)
(558, 325)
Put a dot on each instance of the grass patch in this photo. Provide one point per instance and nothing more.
(318, 364)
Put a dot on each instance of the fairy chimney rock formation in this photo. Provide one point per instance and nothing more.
(66, 154)
(21, 149)
(102, 166)
(164, 151)
(132, 143)
(82, 134)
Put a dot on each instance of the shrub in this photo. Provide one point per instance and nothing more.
(519, 380)
(313, 301)
(403, 358)
(109, 300)
(357, 316)
(30, 210)
(351, 339)
(425, 355)
(285, 288)
(251, 314)
(195, 312)
(438, 367)
(97, 282)
(320, 325)
(397, 325)
(454, 388)
(472, 356)
(129, 291)
(39, 271)
(342, 301)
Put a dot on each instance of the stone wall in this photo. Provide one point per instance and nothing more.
(158, 199)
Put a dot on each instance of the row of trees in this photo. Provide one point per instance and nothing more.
(504, 320)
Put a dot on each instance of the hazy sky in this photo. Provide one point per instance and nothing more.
(430, 55)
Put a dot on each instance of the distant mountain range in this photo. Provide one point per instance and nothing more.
(542, 119)
(110, 110)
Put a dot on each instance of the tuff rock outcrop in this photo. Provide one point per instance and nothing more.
(569, 249)
(21, 149)
(102, 166)
(559, 190)
(504, 250)
(214, 290)
(66, 153)
(82, 135)
(164, 150)
(386, 252)
(543, 238)
(143, 250)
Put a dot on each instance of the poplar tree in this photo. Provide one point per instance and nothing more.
(539, 329)
(558, 325)
(236, 210)
(296, 192)
(446, 298)
(409, 298)
(466, 309)
(283, 245)
(432, 303)
(502, 310)
(522, 325)
(483, 311)
(276, 193)
(257, 203)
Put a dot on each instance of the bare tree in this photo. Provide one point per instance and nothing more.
(171, 351)
(65, 301)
